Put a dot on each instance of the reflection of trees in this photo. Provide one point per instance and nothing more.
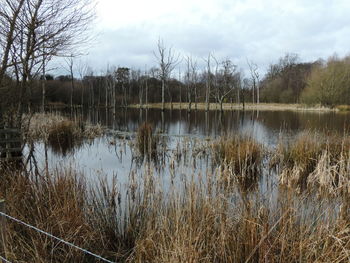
(212, 124)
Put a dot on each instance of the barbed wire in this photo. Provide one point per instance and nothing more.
(54, 237)
(4, 260)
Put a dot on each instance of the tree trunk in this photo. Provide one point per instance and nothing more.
(147, 93)
(195, 97)
(163, 94)
(189, 99)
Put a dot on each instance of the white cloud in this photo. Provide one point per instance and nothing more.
(262, 30)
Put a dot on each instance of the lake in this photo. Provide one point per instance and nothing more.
(185, 135)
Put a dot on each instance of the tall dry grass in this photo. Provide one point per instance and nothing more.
(315, 162)
(241, 157)
(142, 223)
(59, 132)
(196, 219)
(147, 142)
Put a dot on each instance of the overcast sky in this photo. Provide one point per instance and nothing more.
(259, 30)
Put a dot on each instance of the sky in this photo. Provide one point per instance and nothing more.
(258, 30)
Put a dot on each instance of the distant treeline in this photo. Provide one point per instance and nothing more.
(287, 81)
(321, 82)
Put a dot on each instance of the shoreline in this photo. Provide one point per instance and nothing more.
(235, 106)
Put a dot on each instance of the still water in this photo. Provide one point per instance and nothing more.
(183, 134)
(264, 124)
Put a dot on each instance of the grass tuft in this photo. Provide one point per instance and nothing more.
(146, 141)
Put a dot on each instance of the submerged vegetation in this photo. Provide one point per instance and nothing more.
(142, 223)
(194, 217)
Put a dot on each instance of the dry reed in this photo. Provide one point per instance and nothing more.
(240, 157)
(194, 220)
(315, 162)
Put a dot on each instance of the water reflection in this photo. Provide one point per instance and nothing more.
(264, 125)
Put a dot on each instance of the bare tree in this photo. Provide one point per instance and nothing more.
(208, 82)
(180, 88)
(188, 84)
(194, 80)
(224, 81)
(146, 87)
(70, 64)
(254, 73)
(38, 30)
(82, 71)
(9, 16)
(123, 76)
(167, 60)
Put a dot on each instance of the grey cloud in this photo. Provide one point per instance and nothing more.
(314, 29)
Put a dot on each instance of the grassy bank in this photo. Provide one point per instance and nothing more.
(235, 106)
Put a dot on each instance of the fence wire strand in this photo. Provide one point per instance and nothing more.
(54, 237)
(4, 260)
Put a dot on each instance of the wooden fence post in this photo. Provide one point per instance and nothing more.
(2, 229)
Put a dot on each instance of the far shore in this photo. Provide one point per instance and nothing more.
(235, 106)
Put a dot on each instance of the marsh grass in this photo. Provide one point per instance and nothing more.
(147, 142)
(141, 223)
(63, 136)
(240, 156)
(344, 108)
(196, 219)
(60, 133)
(314, 162)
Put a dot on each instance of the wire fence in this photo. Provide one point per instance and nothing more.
(4, 260)
(51, 236)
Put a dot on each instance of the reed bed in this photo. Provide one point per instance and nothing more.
(315, 162)
(60, 133)
(40, 125)
(193, 218)
(146, 142)
(150, 145)
(240, 157)
(141, 223)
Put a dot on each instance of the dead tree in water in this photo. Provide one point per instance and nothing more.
(167, 61)
(123, 77)
(208, 83)
(188, 85)
(70, 63)
(194, 80)
(254, 73)
(224, 81)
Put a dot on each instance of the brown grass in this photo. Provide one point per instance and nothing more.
(241, 155)
(63, 136)
(141, 223)
(345, 108)
(59, 132)
(235, 106)
(197, 219)
(38, 127)
(146, 141)
(323, 157)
